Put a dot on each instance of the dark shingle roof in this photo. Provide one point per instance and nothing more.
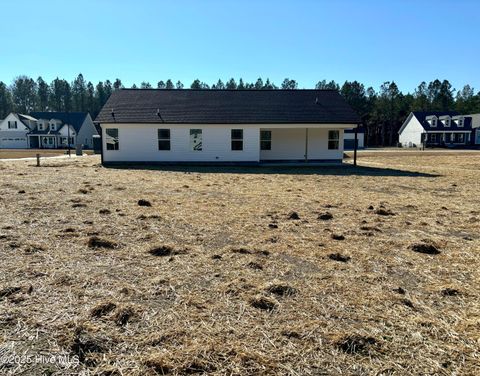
(227, 107)
(75, 119)
(422, 118)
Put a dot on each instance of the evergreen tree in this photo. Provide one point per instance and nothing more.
(100, 97)
(324, 85)
(60, 95)
(259, 84)
(288, 84)
(179, 85)
(161, 85)
(231, 84)
(6, 104)
(117, 84)
(79, 94)
(420, 98)
(241, 85)
(24, 92)
(466, 100)
(219, 85)
(90, 99)
(145, 85)
(108, 89)
(43, 93)
(269, 85)
(169, 84)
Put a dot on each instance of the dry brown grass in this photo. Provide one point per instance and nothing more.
(177, 292)
(32, 153)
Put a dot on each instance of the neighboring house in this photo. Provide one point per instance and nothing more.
(446, 129)
(224, 126)
(14, 129)
(47, 130)
(349, 138)
(475, 128)
(54, 128)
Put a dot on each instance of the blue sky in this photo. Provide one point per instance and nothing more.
(371, 41)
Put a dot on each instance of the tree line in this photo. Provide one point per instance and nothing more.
(382, 111)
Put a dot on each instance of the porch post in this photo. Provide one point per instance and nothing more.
(306, 145)
(355, 146)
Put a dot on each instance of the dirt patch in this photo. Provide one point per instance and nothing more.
(339, 257)
(165, 250)
(293, 215)
(263, 303)
(96, 242)
(102, 309)
(428, 248)
(356, 344)
(281, 289)
(337, 237)
(383, 211)
(327, 216)
(450, 292)
(9, 291)
(143, 202)
(123, 315)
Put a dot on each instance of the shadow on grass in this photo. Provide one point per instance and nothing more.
(342, 170)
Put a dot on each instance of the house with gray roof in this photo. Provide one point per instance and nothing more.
(224, 126)
(437, 129)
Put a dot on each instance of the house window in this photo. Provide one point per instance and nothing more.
(333, 140)
(265, 140)
(447, 122)
(164, 139)
(448, 137)
(237, 139)
(12, 124)
(461, 137)
(196, 140)
(40, 127)
(52, 127)
(112, 138)
(460, 122)
(433, 138)
(434, 122)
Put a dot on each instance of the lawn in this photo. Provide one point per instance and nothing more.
(245, 271)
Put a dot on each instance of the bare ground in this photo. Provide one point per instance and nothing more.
(378, 275)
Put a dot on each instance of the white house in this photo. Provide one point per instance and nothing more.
(14, 129)
(349, 138)
(475, 128)
(224, 126)
(436, 129)
(47, 130)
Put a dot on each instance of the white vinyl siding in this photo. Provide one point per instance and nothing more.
(139, 143)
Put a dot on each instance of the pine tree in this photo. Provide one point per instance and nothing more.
(24, 92)
(6, 104)
(179, 85)
(43, 93)
(169, 85)
(79, 94)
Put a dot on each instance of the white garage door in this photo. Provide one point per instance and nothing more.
(13, 142)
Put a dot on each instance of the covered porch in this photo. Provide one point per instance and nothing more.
(305, 144)
(42, 141)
